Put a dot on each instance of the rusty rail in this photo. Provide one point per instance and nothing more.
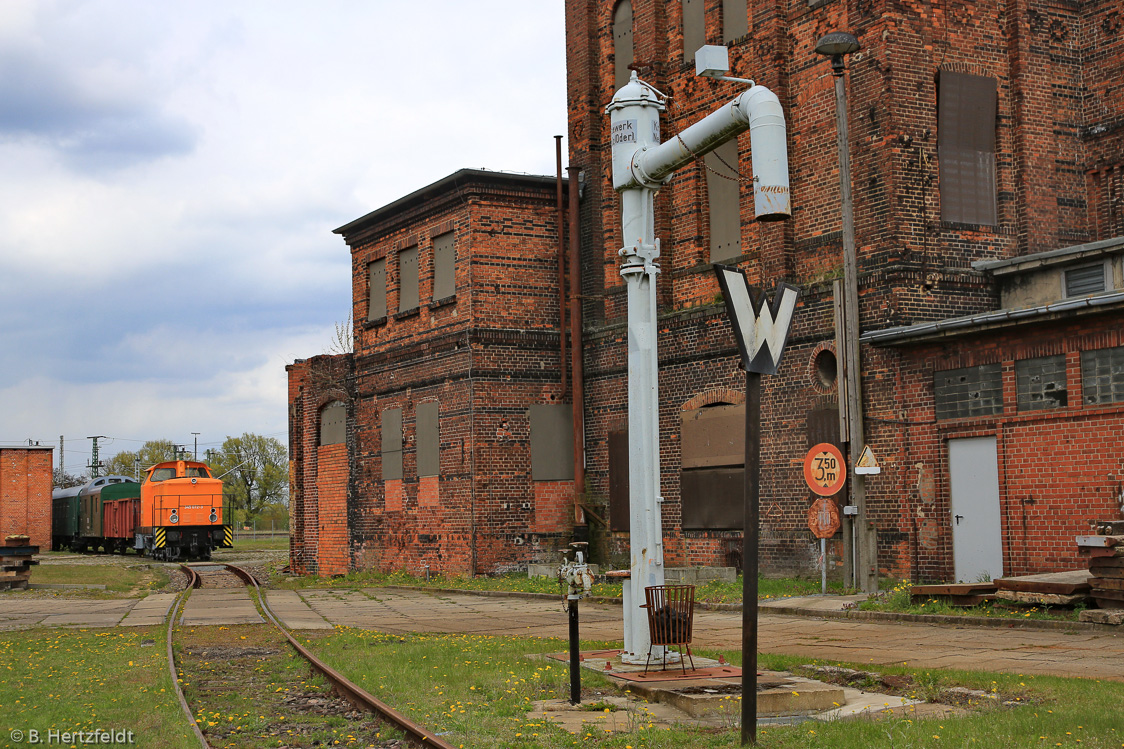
(347, 689)
(193, 581)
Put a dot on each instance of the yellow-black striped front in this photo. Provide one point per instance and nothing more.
(160, 539)
(228, 536)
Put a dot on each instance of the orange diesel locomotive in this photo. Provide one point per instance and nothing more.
(181, 512)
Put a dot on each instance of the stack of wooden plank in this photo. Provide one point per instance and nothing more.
(16, 558)
(1105, 551)
(1051, 589)
(954, 594)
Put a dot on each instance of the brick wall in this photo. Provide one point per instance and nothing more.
(25, 494)
(1060, 145)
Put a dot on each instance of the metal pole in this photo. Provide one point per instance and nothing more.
(752, 501)
(823, 566)
(866, 574)
(575, 658)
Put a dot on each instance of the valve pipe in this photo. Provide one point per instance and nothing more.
(758, 110)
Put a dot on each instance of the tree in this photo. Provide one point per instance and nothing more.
(63, 480)
(254, 472)
(150, 453)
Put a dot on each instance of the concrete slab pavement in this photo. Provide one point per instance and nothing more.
(220, 606)
(1077, 652)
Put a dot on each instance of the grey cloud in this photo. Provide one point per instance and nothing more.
(92, 131)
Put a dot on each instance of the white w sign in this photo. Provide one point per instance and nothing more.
(761, 329)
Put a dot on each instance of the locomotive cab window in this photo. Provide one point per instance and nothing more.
(199, 472)
(162, 474)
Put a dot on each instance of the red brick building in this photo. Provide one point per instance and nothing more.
(987, 159)
(443, 441)
(25, 494)
(987, 142)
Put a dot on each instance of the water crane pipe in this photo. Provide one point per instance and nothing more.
(641, 165)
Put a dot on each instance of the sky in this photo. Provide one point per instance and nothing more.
(171, 173)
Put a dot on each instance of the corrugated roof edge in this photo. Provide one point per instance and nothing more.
(456, 179)
(965, 324)
(1050, 257)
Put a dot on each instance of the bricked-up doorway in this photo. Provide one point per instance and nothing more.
(977, 544)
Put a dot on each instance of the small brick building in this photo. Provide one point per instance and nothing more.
(25, 494)
(443, 441)
(987, 160)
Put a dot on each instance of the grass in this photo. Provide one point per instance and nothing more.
(898, 599)
(249, 688)
(85, 680)
(136, 577)
(278, 543)
(478, 689)
(713, 592)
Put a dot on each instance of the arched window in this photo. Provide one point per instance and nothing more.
(333, 423)
(622, 42)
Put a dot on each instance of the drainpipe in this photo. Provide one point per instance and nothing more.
(561, 264)
(578, 396)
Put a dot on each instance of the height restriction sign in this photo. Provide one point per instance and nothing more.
(824, 469)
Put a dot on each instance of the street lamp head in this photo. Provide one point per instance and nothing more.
(835, 45)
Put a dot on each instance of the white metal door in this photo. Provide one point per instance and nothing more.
(977, 544)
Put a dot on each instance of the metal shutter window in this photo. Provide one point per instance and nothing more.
(1089, 279)
(552, 442)
(444, 265)
(408, 279)
(966, 111)
(724, 202)
(694, 27)
(392, 444)
(333, 423)
(429, 439)
(622, 43)
(735, 20)
(376, 279)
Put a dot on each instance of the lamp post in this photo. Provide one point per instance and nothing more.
(836, 45)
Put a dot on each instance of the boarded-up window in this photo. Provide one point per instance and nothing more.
(694, 27)
(392, 444)
(429, 440)
(1102, 375)
(408, 279)
(376, 280)
(444, 266)
(620, 518)
(724, 193)
(333, 423)
(1040, 383)
(971, 391)
(622, 43)
(966, 148)
(552, 442)
(1088, 279)
(713, 460)
(735, 20)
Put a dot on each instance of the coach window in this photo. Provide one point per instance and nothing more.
(376, 278)
(724, 202)
(966, 112)
(622, 43)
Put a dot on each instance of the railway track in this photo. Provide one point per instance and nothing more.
(211, 576)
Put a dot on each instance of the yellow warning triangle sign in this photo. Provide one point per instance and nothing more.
(867, 463)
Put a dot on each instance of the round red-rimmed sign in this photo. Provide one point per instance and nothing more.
(824, 469)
